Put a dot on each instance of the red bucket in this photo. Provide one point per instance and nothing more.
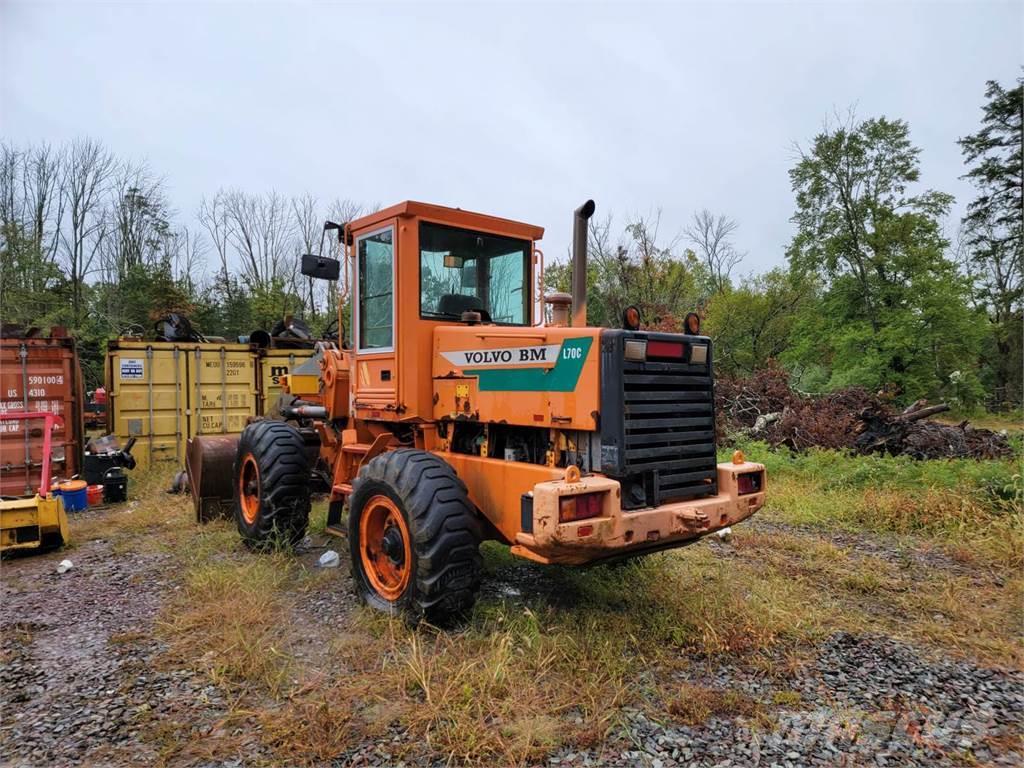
(94, 493)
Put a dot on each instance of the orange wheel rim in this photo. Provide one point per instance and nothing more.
(249, 488)
(385, 548)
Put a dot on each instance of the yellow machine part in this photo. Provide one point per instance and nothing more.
(32, 523)
(163, 393)
(277, 367)
(303, 385)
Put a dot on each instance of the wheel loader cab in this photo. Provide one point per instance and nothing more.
(458, 414)
(417, 267)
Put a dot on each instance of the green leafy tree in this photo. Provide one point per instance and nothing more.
(753, 323)
(272, 302)
(33, 290)
(895, 312)
(994, 231)
(637, 268)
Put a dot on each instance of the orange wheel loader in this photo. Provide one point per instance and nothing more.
(471, 406)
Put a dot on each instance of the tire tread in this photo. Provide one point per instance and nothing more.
(444, 527)
(285, 501)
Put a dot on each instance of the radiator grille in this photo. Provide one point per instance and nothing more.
(670, 427)
(657, 422)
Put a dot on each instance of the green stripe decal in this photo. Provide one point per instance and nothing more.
(563, 377)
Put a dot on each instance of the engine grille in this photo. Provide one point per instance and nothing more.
(657, 423)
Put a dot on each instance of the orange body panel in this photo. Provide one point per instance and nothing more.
(497, 485)
(562, 392)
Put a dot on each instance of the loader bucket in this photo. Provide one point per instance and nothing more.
(209, 463)
(33, 523)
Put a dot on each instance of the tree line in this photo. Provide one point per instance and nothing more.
(875, 292)
(89, 241)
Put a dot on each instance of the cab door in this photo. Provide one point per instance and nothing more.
(374, 312)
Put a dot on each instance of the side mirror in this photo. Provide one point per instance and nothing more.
(320, 267)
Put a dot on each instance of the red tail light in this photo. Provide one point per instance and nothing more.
(580, 507)
(665, 348)
(749, 482)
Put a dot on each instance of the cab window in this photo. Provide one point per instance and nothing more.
(376, 290)
(464, 270)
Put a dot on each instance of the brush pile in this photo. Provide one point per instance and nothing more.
(764, 406)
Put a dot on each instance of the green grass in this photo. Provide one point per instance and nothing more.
(971, 508)
(990, 482)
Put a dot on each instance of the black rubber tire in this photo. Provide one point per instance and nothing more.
(284, 485)
(444, 529)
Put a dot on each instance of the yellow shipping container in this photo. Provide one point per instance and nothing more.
(274, 365)
(163, 392)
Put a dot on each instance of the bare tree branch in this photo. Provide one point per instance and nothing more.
(711, 237)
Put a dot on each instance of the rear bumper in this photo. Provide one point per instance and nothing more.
(617, 532)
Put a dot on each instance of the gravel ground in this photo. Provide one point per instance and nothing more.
(82, 682)
(864, 701)
(79, 682)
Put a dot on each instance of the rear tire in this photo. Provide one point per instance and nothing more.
(272, 479)
(414, 538)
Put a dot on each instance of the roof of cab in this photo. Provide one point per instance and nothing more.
(454, 216)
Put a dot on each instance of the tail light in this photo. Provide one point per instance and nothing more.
(580, 507)
(665, 348)
(639, 350)
(749, 482)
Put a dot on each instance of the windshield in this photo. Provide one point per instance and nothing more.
(464, 270)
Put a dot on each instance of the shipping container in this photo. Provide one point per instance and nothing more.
(163, 393)
(273, 366)
(39, 374)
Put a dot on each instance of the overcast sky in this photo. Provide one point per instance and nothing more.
(519, 110)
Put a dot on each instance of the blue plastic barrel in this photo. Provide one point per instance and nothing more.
(75, 495)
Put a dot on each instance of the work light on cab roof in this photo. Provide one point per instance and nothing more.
(469, 404)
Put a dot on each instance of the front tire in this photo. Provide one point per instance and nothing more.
(272, 480)
(414, 538)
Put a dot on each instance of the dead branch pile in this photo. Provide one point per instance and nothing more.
(766, 407)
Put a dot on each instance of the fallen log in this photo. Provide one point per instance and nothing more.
(923, 413)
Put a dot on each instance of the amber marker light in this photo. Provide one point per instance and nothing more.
(631, 318)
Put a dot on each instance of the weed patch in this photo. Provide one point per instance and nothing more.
(695, 705)
(789, 699)
(228, 617)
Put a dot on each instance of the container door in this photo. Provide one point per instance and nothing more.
(147, 400)
(38, 375)
(222, 392)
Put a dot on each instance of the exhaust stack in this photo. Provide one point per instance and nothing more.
(579, 263)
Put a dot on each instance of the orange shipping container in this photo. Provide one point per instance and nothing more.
(40, 374)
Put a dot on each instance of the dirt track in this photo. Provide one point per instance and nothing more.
(85, 680)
